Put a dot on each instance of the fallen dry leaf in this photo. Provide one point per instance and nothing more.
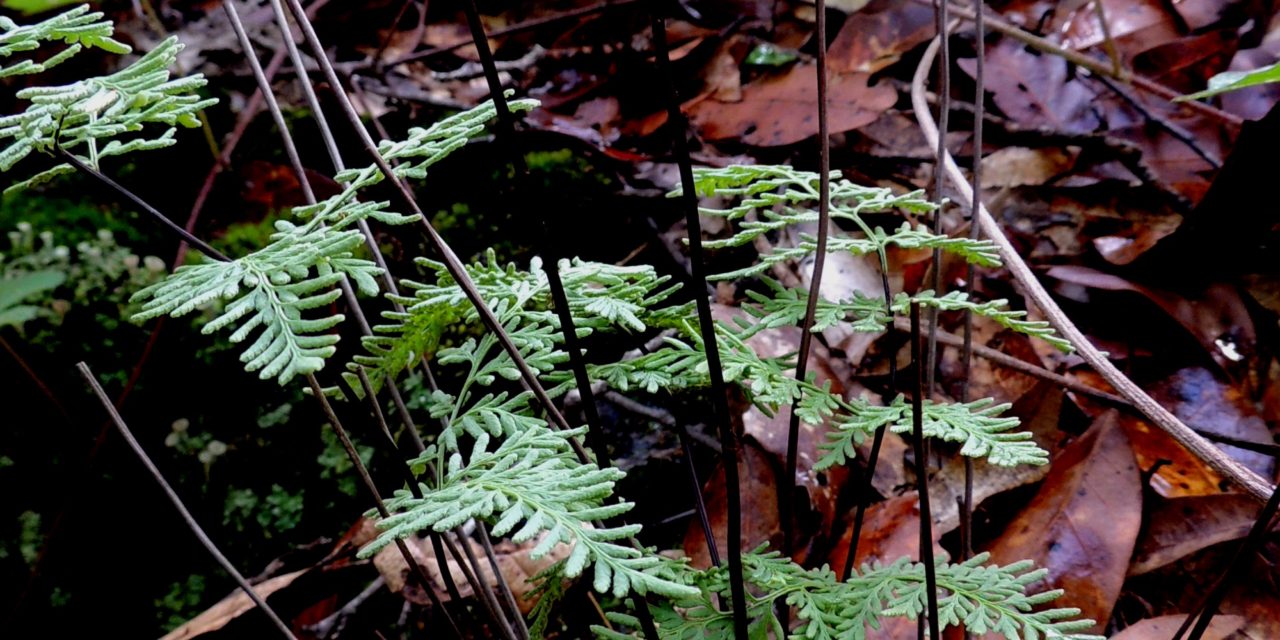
(890, 531)
(1215, 316)
(230, 608)
(1178, 527)
(779, 109)
(1023, 167)
(1163, 628)
(1034, 89)
(759, 490)
(1083, 523)
(875, 38)
(1199, 399)
(513, 563)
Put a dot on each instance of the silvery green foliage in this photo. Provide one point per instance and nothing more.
(531, 483)
(103, 116)
(77, 28)
(268, 290)
(983, 597)
(602, 297)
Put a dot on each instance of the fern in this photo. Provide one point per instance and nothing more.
(82, 115)
(602, 297)
(77, 28)
(959, 301)
(529, 484)
(982, 597)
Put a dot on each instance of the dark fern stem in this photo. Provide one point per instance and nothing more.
(873, 456)
(454, 266)
(416, 570)
(941, 16)
(975, 232)
(729, 442)
(187, 518)
(786, 489)
(264, 87)
(549, 246)
(922, 477)
(787, 483)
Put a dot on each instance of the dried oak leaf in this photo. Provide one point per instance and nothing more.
(877, 36)
(782, 109)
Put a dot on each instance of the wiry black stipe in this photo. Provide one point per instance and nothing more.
(549, 247)
(454, 265)
(786, 486)
(729, 443)
(922, 478)
(975, 232)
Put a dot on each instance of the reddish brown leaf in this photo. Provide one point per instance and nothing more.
(1204, 402)
(780, 109)
(1164, 627)
(891, 530)
(759, 492)
(1179, 527)
(1083, 523)
(877, 36)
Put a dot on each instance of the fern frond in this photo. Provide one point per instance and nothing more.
(77, 28)
(268, 291)
(983, 597)
(786, 307)
(602, 297)
(533, 483)
(995, 310)
(97, 111)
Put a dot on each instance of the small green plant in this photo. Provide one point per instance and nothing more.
(496, 459)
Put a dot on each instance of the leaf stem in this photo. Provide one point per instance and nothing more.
(922, 476)
(729, 441)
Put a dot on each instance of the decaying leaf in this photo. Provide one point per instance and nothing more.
(1084, 522)
(779, 109)
(1163, 627)
(1178, 527)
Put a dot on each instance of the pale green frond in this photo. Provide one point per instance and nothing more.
(77, 28)
(103, 116)
(267, 292)
(996, 310)
(533, 478)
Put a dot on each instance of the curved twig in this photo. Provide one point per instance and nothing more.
(1255, 485)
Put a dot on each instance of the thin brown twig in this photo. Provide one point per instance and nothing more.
(1230, 469)
(187, 518)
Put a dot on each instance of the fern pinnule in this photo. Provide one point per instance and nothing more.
(77, 28)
